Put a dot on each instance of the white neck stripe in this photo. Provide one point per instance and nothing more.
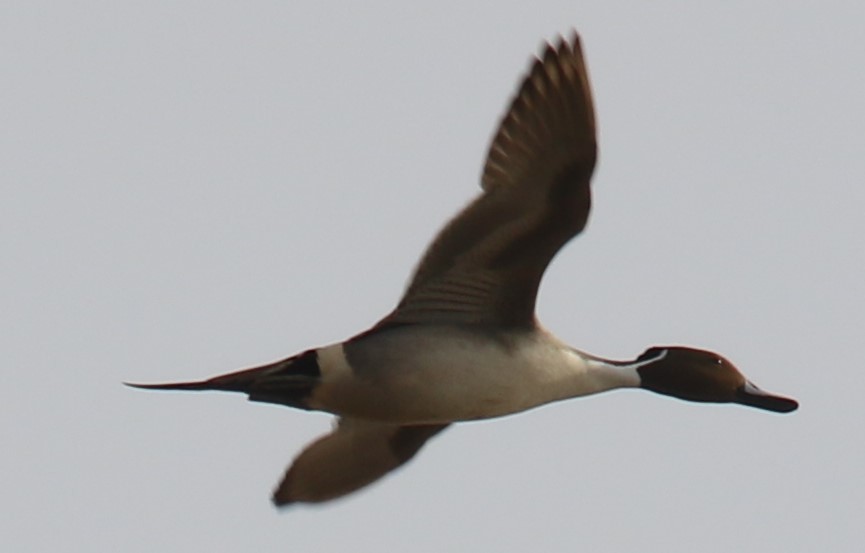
(639, 364)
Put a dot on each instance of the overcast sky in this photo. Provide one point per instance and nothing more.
(189, 188)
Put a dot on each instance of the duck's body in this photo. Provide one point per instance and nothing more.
(421, 374)
(463, 343)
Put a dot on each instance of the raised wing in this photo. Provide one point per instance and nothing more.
(485, 266)
(354, 455)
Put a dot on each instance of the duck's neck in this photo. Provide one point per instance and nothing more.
(615, 374)
(588, 375)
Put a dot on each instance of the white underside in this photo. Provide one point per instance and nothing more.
(446, 374)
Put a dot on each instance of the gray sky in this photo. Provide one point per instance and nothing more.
(190, 189)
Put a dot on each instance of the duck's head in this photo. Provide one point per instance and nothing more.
(698, 375)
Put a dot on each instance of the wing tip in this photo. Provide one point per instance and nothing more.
(281, 500)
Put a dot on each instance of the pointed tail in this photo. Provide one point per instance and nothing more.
(240, 381)
(201, 385)
(287, 382)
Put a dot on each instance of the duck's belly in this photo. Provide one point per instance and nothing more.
(443, 374)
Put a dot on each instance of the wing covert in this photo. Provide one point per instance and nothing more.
(355, 454)
(485, 266)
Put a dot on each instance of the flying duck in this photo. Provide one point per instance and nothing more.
(464, 343)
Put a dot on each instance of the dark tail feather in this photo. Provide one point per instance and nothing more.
(202, 385)
(240, 381)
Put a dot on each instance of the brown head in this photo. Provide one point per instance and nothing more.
(698, 375)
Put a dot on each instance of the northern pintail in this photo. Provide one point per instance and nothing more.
(463, 343)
